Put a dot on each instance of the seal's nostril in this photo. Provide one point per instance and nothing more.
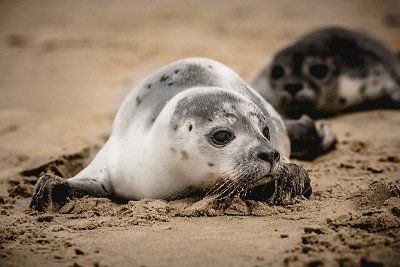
(276, 156)
(270, 157)
(263, 156)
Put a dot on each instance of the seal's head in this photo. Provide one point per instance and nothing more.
(218, 135)
(302, 81)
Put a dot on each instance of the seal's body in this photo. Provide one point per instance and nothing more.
(184, 129)
(327, 71)
(159, 148)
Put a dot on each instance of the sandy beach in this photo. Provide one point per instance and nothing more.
(65, 67)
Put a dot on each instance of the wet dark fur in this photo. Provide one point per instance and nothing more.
(292, 180)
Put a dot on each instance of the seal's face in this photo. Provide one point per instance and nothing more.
(302, 83)
(225, 138)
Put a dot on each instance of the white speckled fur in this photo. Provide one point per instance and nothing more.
(136, 162)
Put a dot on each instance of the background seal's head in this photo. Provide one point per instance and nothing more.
(302, 80)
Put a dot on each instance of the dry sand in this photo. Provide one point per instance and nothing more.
(66, 65)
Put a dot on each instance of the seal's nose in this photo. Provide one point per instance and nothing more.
(293, 88)
(271, 157)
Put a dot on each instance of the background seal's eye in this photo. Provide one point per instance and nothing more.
(266, 132)
(221, 138)
(319, 70)
(277, 72)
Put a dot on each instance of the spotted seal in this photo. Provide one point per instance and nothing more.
(328, 71)
(193, 126)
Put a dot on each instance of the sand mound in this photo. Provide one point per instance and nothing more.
(371, 232)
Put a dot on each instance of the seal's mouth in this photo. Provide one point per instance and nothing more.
(295, 108)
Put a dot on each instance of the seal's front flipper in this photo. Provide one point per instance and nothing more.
(52, 192)
(291, 180)
(309, 139)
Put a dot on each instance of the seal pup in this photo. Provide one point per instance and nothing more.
(192, 126)
(327, 71)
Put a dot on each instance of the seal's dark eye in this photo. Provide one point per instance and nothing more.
(266, 133)
(277, 72)
(221, 138)
(319, 70)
